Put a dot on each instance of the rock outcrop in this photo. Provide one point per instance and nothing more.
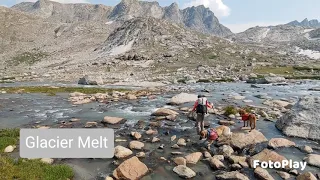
(242, 140)
(131, 168)
(303, 119)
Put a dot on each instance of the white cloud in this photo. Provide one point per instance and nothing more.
(60, 1)
(216, 6)
(236, 28)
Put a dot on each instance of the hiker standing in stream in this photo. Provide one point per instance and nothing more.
(201, 107)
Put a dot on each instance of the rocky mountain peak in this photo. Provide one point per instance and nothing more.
(198, 18)
(314, 23)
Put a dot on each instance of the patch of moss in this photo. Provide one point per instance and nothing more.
(274, 70)
(306, 68)
(28, 58)
(54, 90)
(304, 77)
(230, 110)
(212, 56)
(32, 169)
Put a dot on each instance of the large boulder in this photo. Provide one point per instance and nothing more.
(130, 169)
(265, 156)
(242, 140)
(122, 152)
(136, 145)
(306, 176)
(280, 142)
(113, 120)
(90, 80)
(183, 98)
(266, 80)
(262, 174)
(216, 163)
(193, 158)
(164, 112)
(233, 175)
(313, 160)
(303, 119)
(184, 172)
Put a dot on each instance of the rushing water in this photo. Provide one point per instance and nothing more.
(24, 110)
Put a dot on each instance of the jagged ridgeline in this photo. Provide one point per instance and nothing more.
(196, 18)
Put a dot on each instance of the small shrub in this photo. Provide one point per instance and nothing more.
(230, 110)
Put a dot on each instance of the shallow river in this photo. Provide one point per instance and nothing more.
(25, 110)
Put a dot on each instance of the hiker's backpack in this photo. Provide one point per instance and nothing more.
(212, 134)
(202, 105)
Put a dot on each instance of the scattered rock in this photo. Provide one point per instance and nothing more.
(90, 80)
(176, 153)
(267, 155)
(184, 172)
(164, 112)
(280, 142)
(91, 124)
(113, 120)
(136, 145)
(294, 172)
(236, 167)
(47, 160)
(216, 164)
(183, 98)
(284, 175)
(226, 123)
(225, 150)
(181, 142)
(121, 152)
(313, 159)
(131, 168)
(180, 161)
(171, 117)
(306, 149)
(206, 154)
(220, 157)
(303, 119)
(136, 135)
(239, 97)
(236, 159)
(151, 132)
(175, 146)
(193, 158)
(9, 149)
(173, 137)
(155, 139)
(241, 140)
(131, 97)
(141, 155)
(262, 174)
(233, 175)
(306, 176)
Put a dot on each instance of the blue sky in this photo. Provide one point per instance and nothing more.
(238, 15)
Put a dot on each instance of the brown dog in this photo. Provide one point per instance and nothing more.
(213, 134)
(249, 118)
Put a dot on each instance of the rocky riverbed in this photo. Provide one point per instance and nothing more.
(155, 139)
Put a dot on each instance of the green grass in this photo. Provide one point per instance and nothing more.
(274, 70)
(23, 169)
(306, 68)
(230, 110)
(28, 58)
(8, 137)
(53, 90)
(304, 77)
(211, 56)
